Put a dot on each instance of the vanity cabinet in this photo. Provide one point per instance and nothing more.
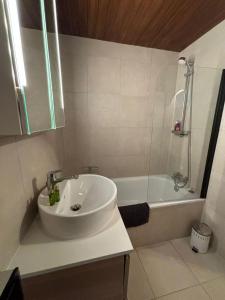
(30, 75)
(101, 280)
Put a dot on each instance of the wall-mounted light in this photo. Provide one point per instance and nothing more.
(58, 54)
(12, 13)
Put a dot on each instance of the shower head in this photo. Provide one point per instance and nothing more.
(188, 63)
(182, 60)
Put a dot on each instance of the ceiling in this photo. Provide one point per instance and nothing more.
(163, 24)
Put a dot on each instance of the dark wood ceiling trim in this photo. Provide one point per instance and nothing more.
(164, 24)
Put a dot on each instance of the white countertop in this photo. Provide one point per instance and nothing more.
(39, 253)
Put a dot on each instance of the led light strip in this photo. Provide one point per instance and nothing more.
(58, 55)
(16, 41)
(16, 53)
(48, 66)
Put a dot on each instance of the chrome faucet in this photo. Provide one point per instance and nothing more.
(53, 178)
(180, 181)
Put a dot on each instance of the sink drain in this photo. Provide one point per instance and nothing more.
(75, 207)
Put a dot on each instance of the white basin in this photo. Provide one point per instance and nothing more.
(94, 193)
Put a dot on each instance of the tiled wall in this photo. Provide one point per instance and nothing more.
(115, 103)
(24, 162)
(210, 60)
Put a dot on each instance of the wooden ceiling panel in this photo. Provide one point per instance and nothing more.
(164, 24)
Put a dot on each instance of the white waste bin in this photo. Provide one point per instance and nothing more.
(200, 237)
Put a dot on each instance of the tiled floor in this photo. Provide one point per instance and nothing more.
(172, 271)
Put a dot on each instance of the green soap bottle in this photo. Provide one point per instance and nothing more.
(57, 195)
(54, 196)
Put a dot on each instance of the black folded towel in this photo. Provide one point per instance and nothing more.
(135, 215)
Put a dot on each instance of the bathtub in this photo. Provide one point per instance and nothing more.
(172, 213)
(155, 189)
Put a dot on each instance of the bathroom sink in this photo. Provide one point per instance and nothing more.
(86, 206)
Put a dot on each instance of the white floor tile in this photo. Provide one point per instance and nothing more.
(193, 293)
(216, 288)
(204, 266)
(138, 285)
(166, 271)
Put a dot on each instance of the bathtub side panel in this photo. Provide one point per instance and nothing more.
(167, 223)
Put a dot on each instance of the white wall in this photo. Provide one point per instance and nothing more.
(209, 52)
(115, 102)
(24, 163)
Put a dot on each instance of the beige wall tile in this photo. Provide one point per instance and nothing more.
(77, 149)
(76, 110)
(98, 48)
(135, 78)
(134, 141)
(216, 194)
(131, 165)
(135, 53)
(219, 158)
(12, 199)
(216, 221)
(159, 100)
(76, 46)
(222, 125)
(24, 162)
(103, 75)
(163, 68)
(74, 73)
(136, 111)
(205, 93)
(104, 141)
(104, 110)
(107, 165)
(45, 153)
(158, 151)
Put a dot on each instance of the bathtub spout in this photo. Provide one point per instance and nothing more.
(176, 188)
(180, 181)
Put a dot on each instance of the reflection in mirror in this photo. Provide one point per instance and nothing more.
(33, 36)
(38, 88)
(55, 62)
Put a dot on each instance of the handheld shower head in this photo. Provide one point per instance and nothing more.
(188, 63)
(182, 60)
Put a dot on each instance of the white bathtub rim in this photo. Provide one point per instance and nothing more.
(134, 178)
(169, 203)
(176, 202)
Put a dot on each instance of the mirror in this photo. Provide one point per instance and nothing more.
(55, 62)
(37, 91)
(34, 45)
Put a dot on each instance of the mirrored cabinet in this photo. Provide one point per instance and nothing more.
(30, 74)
